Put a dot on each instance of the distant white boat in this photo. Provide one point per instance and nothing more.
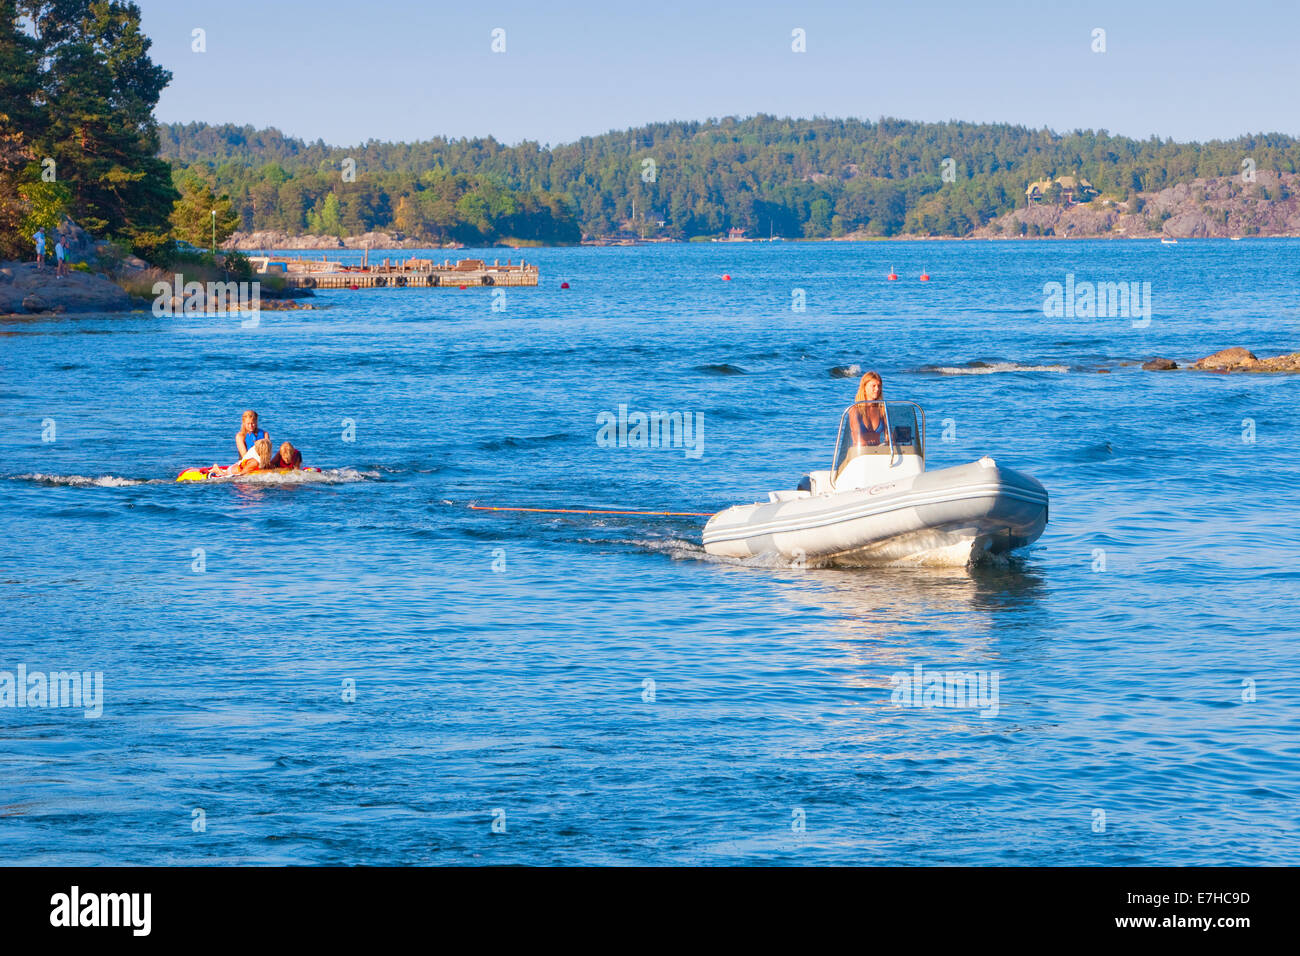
(1166, 241)
(1235, 238)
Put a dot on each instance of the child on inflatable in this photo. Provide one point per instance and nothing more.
(257, 458)
(249, 433)
(287, 457)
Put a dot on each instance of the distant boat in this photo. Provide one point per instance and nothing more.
(1166, 241)
(1235, 238)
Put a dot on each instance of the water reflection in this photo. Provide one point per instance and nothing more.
(887, 619)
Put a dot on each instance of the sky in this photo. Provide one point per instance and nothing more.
(347, 71)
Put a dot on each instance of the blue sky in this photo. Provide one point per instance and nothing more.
(347, 71)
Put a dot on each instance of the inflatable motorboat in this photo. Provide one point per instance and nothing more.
(878, 505)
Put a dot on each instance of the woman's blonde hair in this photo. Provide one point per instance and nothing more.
(862, 386)
(263, 449)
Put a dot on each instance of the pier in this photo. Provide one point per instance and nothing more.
(401, 274)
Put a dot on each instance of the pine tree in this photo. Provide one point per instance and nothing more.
(100, 89)
(192, 218)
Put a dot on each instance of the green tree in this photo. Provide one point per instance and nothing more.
(100, 88)
(19, 74)
(327, 220)
(192, 219)
(13, 158)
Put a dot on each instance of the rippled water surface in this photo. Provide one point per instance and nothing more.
(1145, 648)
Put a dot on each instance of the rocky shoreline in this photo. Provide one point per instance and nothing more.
(24, 290)
(271, 239)
(1223, 207)
(1235, 359)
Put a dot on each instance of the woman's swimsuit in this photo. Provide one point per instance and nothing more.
(251, 439)
(865, 434)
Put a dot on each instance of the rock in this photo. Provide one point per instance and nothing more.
(1159, 365)
(1231, 359)
(1280, 363)
(32, 290)
(6, 275)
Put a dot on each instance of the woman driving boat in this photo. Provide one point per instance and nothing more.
(867, 423)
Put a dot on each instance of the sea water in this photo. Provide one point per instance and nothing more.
(359, 668)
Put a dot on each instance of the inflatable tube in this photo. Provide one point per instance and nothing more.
(201, 474)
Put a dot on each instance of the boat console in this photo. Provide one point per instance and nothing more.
(878, 442)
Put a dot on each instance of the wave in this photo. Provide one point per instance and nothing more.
(326, 476)
(87, 481)
(990, 368)
(516, 441)
(846, 371)
(722, 369)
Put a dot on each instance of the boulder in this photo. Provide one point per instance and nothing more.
(34, 303)
(1280, 363)
(1229, 359)
(1159, 365)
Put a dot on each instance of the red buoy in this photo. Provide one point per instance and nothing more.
(564, 285)
(893, 276)
(726, 277)
(925, 276)
(354, 287)
(464, 287)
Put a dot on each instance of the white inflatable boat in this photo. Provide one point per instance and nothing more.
(878, 505)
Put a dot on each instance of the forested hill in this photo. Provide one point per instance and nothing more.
(794, 178)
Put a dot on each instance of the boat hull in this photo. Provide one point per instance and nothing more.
(944, 517)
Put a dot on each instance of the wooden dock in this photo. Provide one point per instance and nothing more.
(403, 274)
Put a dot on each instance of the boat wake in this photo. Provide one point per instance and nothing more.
(328, 476)
(678, 549)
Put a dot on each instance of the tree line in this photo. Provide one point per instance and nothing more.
(763, 174)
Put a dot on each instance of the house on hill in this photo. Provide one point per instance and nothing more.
(1073, 190)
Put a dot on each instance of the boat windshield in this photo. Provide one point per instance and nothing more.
(879, 428)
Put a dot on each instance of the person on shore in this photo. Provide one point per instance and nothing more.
(60, 268)
(867, 422)
(249, 433)
(40, 249)
(287, 457)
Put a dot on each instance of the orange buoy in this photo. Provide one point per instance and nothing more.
(564, 285)
(726, 277)
(893, 276)
(925, 276)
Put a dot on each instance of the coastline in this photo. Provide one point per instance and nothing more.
(356, 243)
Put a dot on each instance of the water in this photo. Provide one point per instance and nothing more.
(501, 660)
